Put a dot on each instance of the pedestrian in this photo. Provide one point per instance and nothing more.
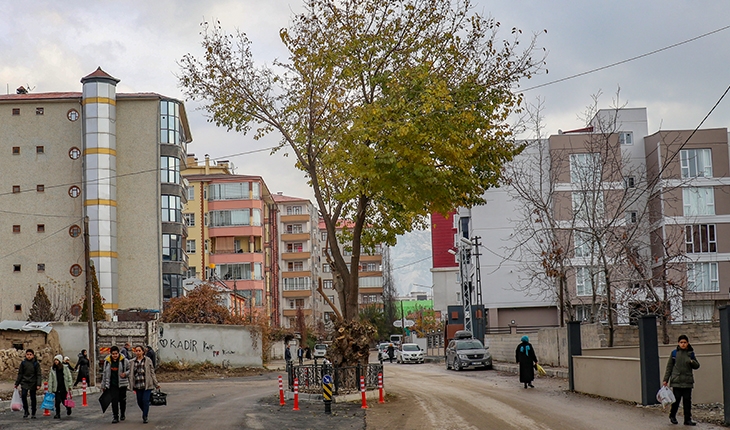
(679, 376)
(82, 366)
(287, 354)
(525, 356)
(59, 383)
(126, 351)
(115, 378)
(300, 355)
(308, 353)
(29, 379)
(67, 363)
(152, 356)
(143, 380)
(391, 352)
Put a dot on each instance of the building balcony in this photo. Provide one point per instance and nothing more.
(371, 258)
(294, 218)
(236, 257)
(295, 237)
(296, 293)
(239, 230)
(370, 290)
(293, 312)
(296, 274)
(295, 255)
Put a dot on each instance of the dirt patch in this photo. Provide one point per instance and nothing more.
(173, 373)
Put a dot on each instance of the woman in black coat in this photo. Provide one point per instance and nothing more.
(82, 366)
(525, 356)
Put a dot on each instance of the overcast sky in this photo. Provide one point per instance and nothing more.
(50, 45)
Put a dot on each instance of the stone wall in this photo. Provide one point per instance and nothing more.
(45, 346)
(697, 333)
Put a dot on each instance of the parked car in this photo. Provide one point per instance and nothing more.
(396, 339)
(383, 351)
(409, 353)
(465, 353)
(320, 350)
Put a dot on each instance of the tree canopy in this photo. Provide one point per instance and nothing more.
(41, 309)
(395, 109)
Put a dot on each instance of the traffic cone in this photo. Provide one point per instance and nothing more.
(83, 386)
(281, 392)
(380, 388)
(46, 412)
(362, 389)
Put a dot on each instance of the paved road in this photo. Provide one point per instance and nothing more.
(427, 396)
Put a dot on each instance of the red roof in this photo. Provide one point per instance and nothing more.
(72, 95)
(279, 198)
(98, 73)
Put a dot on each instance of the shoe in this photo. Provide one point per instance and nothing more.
(115, 420)
(32, 417)
(673, 420)
(530, 385)
(144, 420)
(26, 415)
(57, 416)
(690, 423)
(68, 411)
(122, 418)
(525, 385)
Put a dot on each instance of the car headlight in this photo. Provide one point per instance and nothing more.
(462, 356)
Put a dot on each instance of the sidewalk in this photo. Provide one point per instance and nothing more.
(6, 386)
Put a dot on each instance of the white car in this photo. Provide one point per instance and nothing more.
(320, 350)
(383, 351)
(409, 353)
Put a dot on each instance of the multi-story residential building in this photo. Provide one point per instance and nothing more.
(370, 274)
(112, 158)
(298, 261)
(231, 219)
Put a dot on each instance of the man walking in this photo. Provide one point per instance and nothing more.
(29, 379)
(115, 378)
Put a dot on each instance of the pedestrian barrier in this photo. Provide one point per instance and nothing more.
(281, 392)
(380, 388)
(362, 390)
(296, 395)
(46, 412)
(83, 397)
(345, 380)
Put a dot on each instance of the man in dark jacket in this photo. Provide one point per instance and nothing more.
(525, 356)
(679, 376)
(151, 354)
(30, 379)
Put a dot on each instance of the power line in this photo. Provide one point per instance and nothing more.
(627, 60)
(412, 263)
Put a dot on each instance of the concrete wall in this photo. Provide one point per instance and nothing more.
(697, 333)
(613, 377)
(218, 344)
(73, 336)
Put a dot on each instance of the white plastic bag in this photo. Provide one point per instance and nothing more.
(16, 404)
(665, 396)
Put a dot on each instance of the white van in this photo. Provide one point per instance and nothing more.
(396, 339)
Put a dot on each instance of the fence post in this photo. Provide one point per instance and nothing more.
(725, 357)
(574, 348)
(649, 359)
(358, 372)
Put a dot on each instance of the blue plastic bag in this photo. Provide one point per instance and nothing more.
(48, 401)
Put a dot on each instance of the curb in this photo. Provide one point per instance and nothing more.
(555, 372)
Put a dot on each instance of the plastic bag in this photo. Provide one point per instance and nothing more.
(69, 402)
(48, 401)
(540, 370)
(665, 396)
(16, 404)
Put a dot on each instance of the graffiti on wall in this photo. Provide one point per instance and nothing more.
(193, 345)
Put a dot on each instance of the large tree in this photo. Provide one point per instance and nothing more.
(41, 310)
(393, 108)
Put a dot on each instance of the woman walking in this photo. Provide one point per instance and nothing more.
(525, 356)
(679, 376)
(59, 383)
(143, 380)
(82, 366)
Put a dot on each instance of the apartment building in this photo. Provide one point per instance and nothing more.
(112, 158)
(370, 274)
(231, 219)
(298, 261)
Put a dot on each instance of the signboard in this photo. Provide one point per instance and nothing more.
(399, 323)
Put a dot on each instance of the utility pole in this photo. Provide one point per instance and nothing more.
(89, 307)
(465, 248)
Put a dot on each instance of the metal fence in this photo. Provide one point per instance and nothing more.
(345, 379)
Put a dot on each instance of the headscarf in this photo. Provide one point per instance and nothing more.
(525, 339)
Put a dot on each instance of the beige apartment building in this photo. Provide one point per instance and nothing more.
(112, 158)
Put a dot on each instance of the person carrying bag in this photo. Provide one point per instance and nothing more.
(142, 378)
(679, 376)
(59, 383)
(29, 381)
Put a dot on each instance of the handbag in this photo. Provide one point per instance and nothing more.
(16, 404)
(49, 401)
(158, 398)
(69, 402)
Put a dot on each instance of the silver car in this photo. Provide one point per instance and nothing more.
(465, 353)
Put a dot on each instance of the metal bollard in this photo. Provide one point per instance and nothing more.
(362, 389)
(380, 388)
(281, 392)
(327, 394)
(296, 394)
(83, 386)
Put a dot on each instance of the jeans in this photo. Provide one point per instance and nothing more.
(24, 394)
(143, 401)
(119, 400)
(685, 396)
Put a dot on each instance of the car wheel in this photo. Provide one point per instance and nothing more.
(457, 365)
(488, 367)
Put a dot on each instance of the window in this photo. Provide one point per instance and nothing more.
(16, 267)
(41, 267)
(40, 150)
(584, 277)
(629, 182)
(192, 272)
(172, 285)
(584, 168)
(191, 193)
(172, 247)
(632, 217)
(170, 170)
(370, 267)
(230, 218)
(39, 111)
(16, 111)
(40, 188)
(41, 228)
(698, 201)
(74, 191)
(299, 303)
(696, 163)
(326, 268)
(293, 210)
(190, 247)
(170, 130)
(626, 138)
(302, 283)
(229, 191)
(295, 266)
(588, 205)
(332, 298)
(74, 153)
(75, 270)
(74, 231)
(371, 282)
(323, 236)
(255, 190)
(16, 189)
(294, 247)
(294, 228)
(189, 219)
(72, 115)
(327, 284)
(584, 245)
(16, 150)
(239, 271)
(700, 238)
(698, 311)
(171, 209)
(16, 228)
(18, 308)
(702, 277)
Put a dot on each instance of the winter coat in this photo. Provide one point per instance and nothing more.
(680, 366)
(150, 379)
(83, 364)
(287, 354)
(29, 374)
(152, 356)
(391, 351)
(106, 375)
(126, 353)
(53, 381)
(525, 356)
